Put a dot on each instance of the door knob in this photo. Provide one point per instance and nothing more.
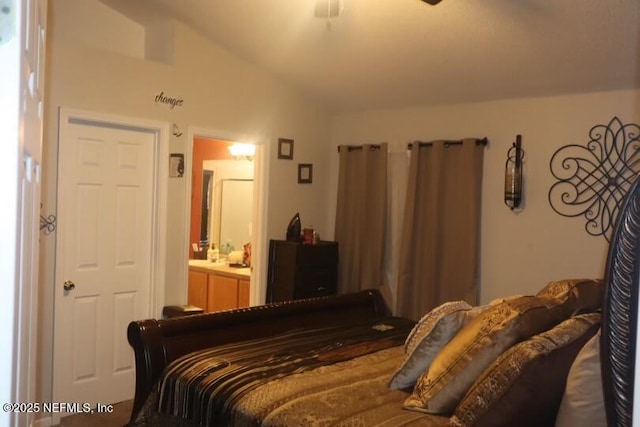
(69, 285)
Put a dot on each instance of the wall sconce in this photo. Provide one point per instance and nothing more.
(513, 175)
(242, 151)
(328, 8)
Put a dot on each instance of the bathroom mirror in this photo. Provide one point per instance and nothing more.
(212, 167)
(235, 214)
(232, 203)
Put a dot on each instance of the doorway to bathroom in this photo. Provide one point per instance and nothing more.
(227, 204)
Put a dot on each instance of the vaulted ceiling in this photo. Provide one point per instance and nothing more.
(382, 54)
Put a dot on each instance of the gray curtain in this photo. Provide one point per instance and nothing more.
(360, 225)
(439, 253)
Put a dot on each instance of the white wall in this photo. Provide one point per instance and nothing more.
(521, 252)
(220, 91)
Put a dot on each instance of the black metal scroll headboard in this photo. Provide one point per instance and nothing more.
(619, 324)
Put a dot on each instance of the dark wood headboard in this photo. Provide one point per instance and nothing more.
(159, 342)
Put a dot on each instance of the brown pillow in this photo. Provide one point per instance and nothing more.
(577, 294)
(524, 386)
(456, 367)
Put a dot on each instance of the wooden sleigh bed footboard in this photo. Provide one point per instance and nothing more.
(156, 343)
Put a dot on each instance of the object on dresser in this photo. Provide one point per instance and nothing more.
(300, 271)
(294, 228)
(307, 236)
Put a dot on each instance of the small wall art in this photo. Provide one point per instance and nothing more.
(176, 165)
(305, 173)
(285, 149)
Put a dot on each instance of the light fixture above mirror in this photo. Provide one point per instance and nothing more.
(241, 151)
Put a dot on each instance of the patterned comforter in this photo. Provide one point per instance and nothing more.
(324, 376)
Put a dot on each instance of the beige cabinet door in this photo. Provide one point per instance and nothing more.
(223, 292)
(243, 292)
(198, 289)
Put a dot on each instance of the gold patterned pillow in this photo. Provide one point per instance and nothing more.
(524, 386)
(576, 294)
(427, 337)
(456, 367)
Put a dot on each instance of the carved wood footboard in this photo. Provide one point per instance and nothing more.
(158, 342)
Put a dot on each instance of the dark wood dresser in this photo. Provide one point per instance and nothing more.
(300, 271)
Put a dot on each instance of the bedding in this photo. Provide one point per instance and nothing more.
(335, 375)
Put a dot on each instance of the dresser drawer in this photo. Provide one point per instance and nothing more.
(322, 254)
(317, 276)
(301, 271)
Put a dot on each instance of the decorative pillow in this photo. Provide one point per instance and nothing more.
(428, 336)
(583, 401)
(524, 385)
(476, 346)
(577, 294)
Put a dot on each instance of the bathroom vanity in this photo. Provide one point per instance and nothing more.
(216, 286)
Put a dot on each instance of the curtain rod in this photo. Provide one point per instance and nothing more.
(483, 141)
(372, 147)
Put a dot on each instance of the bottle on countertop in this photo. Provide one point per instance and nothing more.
(213, 254)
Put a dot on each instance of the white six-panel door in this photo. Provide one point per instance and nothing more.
(104, 259)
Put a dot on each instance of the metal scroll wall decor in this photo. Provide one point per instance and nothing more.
(593, 179)
(48, 224)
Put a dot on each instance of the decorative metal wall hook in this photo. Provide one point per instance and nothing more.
(175, 130)
(593, 179)
(513, 174)
(48, 224)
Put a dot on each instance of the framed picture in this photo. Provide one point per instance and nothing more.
(285, 149)
(176, 165)
(305, 173)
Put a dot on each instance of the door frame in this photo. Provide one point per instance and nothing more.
(160, 131)
(258, 285)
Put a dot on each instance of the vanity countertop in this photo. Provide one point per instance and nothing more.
(218, 267)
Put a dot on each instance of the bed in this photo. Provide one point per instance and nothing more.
(332, 360)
